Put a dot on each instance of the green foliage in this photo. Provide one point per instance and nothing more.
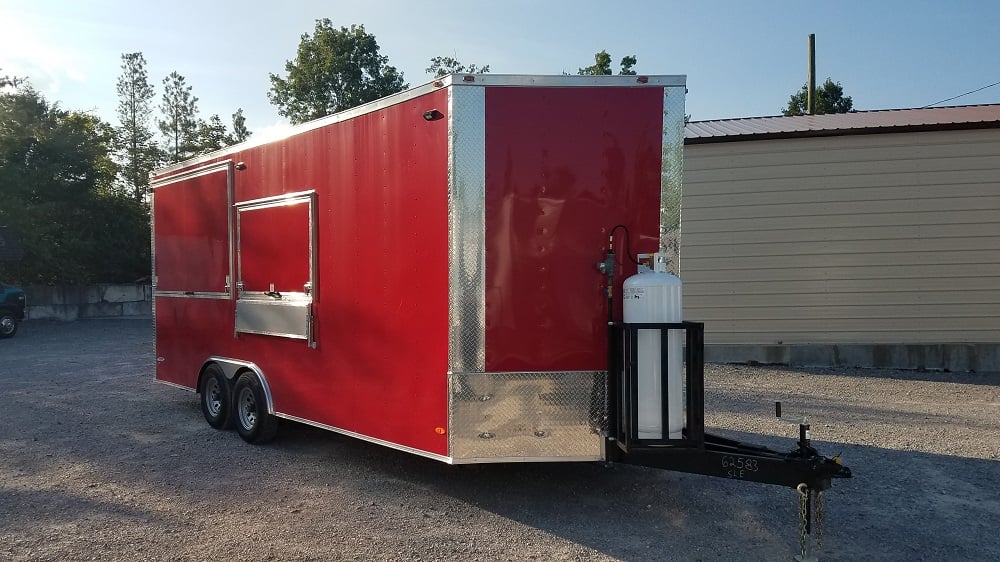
(627, 64)
(443, 66)
(180, 118)
(212, 135)
(602, 65)
(240, 131)
(57, 194)
(829, 99)
(334, 69)
(135, 148)
(6, 81)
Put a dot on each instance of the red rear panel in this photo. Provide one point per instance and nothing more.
(563, 166)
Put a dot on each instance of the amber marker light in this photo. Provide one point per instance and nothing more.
(439, 430)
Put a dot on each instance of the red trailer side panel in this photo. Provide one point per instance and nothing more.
(563, 166)
(381, 301)
(188, 331)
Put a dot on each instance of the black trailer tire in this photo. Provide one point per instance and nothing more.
(8, 324)
(216, 398)
(253, 422)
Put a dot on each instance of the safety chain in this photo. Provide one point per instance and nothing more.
(818, 520)
(804, 492)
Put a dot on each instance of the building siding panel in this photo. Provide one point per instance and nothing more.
(868, 239)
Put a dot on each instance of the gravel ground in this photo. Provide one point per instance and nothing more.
(97, 461)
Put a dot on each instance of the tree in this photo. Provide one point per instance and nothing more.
(57, 193)
(240, 131)
(829, 99)
(180, 118)
(212, 135)
(602, 65)
(627, 64)
(334, 69)
(12, 81)
(134, 146)
(443, 66)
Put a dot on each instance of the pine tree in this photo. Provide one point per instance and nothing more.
(180, 118)
(134, 147)
(240, 131)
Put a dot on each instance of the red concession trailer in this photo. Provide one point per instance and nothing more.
(377, 267)
(419, 272)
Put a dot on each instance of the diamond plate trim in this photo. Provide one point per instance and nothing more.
(467, 229)
(672, 176)
(541, 415)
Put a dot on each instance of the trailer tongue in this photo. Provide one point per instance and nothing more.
(696, 451)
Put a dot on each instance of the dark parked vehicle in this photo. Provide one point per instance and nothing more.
(12, 305)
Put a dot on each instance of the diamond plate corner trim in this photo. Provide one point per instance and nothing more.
(527, 416)
(467, 229)
(672, 176)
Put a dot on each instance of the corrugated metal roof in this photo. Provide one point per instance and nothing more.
(859, 122)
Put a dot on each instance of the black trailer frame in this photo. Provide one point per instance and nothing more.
(697, 452)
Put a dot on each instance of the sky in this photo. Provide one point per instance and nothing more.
(741, 58)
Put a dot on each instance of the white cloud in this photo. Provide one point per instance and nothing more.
(47, 65)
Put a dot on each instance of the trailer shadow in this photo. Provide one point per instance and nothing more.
(634, 513)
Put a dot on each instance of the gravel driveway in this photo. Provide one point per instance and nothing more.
(97, 461)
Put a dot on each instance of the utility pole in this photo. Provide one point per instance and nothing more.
(811, 95)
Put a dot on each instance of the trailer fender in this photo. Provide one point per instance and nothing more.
(234, 368)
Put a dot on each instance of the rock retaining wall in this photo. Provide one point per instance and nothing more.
(89, 301)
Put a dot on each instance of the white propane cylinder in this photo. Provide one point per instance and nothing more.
(655, 296)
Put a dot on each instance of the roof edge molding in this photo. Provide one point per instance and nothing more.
(836, 124)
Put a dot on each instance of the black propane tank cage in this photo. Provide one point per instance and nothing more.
(628, 392)
(696, 451)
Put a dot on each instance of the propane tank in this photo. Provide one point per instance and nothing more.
(653, 295)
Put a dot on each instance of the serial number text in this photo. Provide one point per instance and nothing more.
(738, 467)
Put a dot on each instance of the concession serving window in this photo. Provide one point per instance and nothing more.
(191, 249)
(276, 265)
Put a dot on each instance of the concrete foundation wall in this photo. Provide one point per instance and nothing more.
(978, 357)
(90, 301)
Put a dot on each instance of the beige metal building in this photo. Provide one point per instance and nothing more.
(868, 238)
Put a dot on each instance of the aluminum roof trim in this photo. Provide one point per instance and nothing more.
(567, 80)
(861, 122)
(677, 80)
